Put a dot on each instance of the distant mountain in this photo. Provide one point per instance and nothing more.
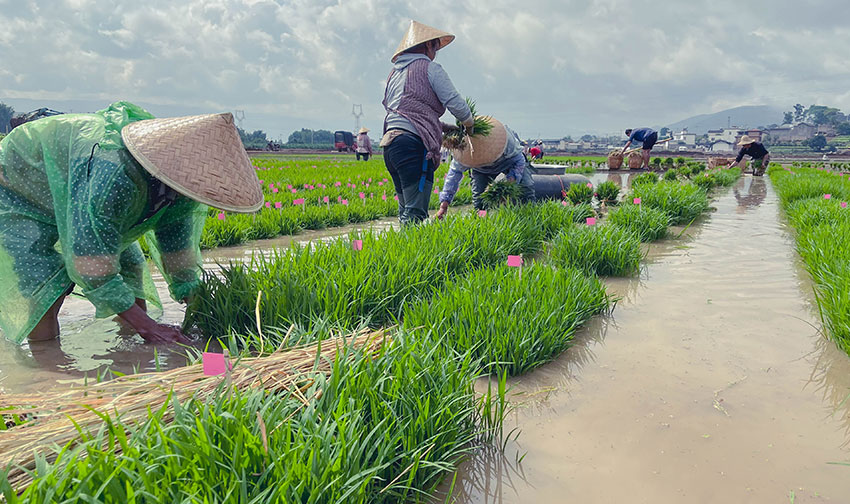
(750, 116)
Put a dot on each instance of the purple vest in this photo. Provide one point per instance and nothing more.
(421, 106)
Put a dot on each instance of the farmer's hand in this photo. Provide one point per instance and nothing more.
(469, 126)
(510, 179)
(444, 207)
(149, 329)
(448, 127)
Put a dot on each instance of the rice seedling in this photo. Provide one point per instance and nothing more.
(503, 192)
(607, 192)
(670, 175)
(455, 138)
(644, 178)
(599, 250)
(681, 202)
(806, 213)
(510, 320)
(382, 428)
(580, 194)
(647, 223)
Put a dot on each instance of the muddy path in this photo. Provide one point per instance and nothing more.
(709, 383)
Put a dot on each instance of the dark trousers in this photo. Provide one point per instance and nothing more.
(405, 158)
(364, 154)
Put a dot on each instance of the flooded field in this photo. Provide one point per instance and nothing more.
(709, 383)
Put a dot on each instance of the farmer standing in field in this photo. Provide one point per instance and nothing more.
(77, 191)
(499, 152)
(756, 150)
(364, 145)
(417, 94)
(646, 135)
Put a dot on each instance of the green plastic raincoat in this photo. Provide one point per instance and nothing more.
(73, 205)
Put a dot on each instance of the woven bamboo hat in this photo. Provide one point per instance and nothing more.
(485, 149)
(364, 129)
(201, 157)
(418, 33)
(746, 140)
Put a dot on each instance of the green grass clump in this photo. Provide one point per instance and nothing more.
(600, 250)
(607, 192)
(645, 178)
(806, 213)
(510, 321)
(647, 223)
(580, 194)
(382, 430)
(670, 175)
(681, 202)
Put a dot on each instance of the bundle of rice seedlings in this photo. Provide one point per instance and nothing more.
(644, 178)
(503, 192)
(607, 192)
(455, 138)
(670, 175)
(60, 418)
(580, 194)
(681, 202)
(648, 224)
(599, 250)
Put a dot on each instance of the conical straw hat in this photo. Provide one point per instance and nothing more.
(485, 149)
(364, 129)
(746, 140)
(200, 157)
(418, 33)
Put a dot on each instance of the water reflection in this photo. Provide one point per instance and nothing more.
(751, 195)
(830, 369)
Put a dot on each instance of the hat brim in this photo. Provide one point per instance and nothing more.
(200, 157)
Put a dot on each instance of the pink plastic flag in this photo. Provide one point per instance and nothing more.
(278, 204)
(591, 221)
(395, 197)
(262, 182)
(384, 197)
(636, 201)
(843, 204)
(268, 204)
(361, 195)
(514, 261)
(370, 179)
(294, 190)
(289, 186)
(221, 216)
(271, 185)
(215, 364)
(589, 184)
(380, 183)
(298, 201)
(274, 190)
(482, 213)
(357, 244)
(325, 199)
(337, 184)
(345, 202)
(827, 196)
(436, 191)
(564, 202)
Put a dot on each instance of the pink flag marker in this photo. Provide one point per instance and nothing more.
(514, 261)
(289, 186)
(361, 195)
(384, 197)
(636, 201)
(345, 202)
(298, 201)
(591, 221)
(357, 244)
(268, 204)
(215, 364)
(325, 199)
(843, 204)
(482, 213)
(271, 185)
(278, 204)
(564, 202)
(221, 216)
(827, 196)
(337, 184)
(294, 190)
(395, 197)
(589, 184)
(274, 190)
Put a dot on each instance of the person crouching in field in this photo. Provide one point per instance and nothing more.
(364, 145)
(757, 151)
(417, 94)
(491, 155)
(646, 135)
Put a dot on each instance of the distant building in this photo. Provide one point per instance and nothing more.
(726, 134)
(685, 138)
(789, 133)
(722, 146)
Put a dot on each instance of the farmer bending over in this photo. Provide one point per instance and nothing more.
(364, 145)
(756, 150)
(77, 191)
(417, 94)
(498, 152)
(646, 135)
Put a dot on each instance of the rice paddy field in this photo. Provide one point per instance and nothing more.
(411, 364)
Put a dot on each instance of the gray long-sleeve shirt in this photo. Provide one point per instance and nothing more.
(440, 83)
(511, 162)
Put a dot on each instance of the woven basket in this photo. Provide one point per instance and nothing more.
(714, 162)
(635, 160)
(615, 161)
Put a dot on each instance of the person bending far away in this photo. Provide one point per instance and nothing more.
(417, 94)
(646, 135)
(77, 191)
(499, 152)
(757, 151)
(535, 152)
(364, 145)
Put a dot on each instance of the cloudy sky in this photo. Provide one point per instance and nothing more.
(545, 67)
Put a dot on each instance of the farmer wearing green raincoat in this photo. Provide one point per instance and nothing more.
(77, 192)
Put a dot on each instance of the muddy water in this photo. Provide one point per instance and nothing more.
(709, 383)
(87, 345)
